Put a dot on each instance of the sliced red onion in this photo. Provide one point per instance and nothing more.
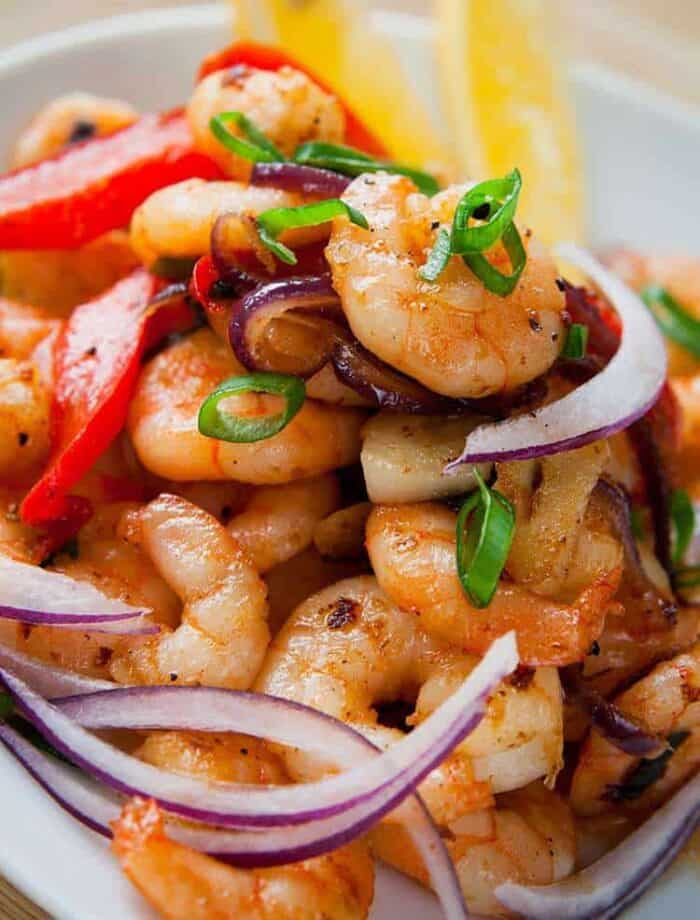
(611, 401)
(603, 890)
(384, 386)
(252, 319)
(620, 730)
(307, 180)
(47, 680)
(34, 595)
(390, 777)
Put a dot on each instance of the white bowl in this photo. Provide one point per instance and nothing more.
(641, 154)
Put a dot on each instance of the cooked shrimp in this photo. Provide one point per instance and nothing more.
(666, 702)
(412, 550)
(349, 648)
(22, 329)
(119, 569)
(453, 335)
(555, 545)
(183, 884)
(57, 281)
(223, 634)
(528, 838)
(177, 221)
(285, 104)
(163, 423)
(24, 420)
(68, 120)
(279, 521)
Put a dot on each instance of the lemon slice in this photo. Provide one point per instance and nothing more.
(336, 38)
(505, 97)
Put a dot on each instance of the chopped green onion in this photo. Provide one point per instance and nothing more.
(677, 324)
(215, 423)
(485, 529)
(499, 199)
(576, 341)
(258, 147)
(353, 162)
(683, 517)
(438, 258)
(274, 222)
(492, 279)
(687, 577)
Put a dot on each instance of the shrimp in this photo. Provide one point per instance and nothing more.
(680, 275)
(412, 551)
(67, 120)
(666, 702)
(454, 336)
(57, 281)
(279, 521)
(348, 649)
(285, 104)
(176, 222)
(555, 545)
(23, 329)
(101, 556)
(24, 420)
(162, 423)
(183, 884)
(223, 633)
(529, 837)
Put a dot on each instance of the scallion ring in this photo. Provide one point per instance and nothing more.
(675, 322)
(485, 529)
(439, 257)
(683, 517)
(353, 162)
(271, 224)
(492, 279)
(576, 341)
(254, 146)
(500, 198)
(224, 426)
(688, 577)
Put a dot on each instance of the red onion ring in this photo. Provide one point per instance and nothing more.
(385, 782)
(251, 321)
(293, 177)
(604, 889)
(34, 595)
(617, 728)
(609, 402)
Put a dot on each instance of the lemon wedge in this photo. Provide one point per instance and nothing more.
(505, 97)
(336, 38)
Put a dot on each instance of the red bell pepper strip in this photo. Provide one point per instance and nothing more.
(90, 188)
(266, 57)
(97, 360)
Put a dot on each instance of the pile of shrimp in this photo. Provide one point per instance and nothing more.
(319, 565)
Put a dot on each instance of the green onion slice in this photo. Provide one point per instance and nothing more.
(499, 197)
(438, 258)
(576, 341)
(687, 577)
(215, 423)
(353, 162)
(485, 529)
(271, 224)
(683, 517)
(675, 322)
(492, 279)
(254, 146)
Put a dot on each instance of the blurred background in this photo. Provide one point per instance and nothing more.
(657, 41)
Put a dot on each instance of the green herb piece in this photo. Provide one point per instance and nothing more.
(675, 322)
(438, 258)
(576, 341)
(494, 280)
(254, 145)
(485, 530)
(271, 224)
(215, 423)
(497, 199)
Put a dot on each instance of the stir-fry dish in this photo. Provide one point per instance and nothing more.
(342, 520)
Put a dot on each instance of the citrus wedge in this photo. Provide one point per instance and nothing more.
(506, 99)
